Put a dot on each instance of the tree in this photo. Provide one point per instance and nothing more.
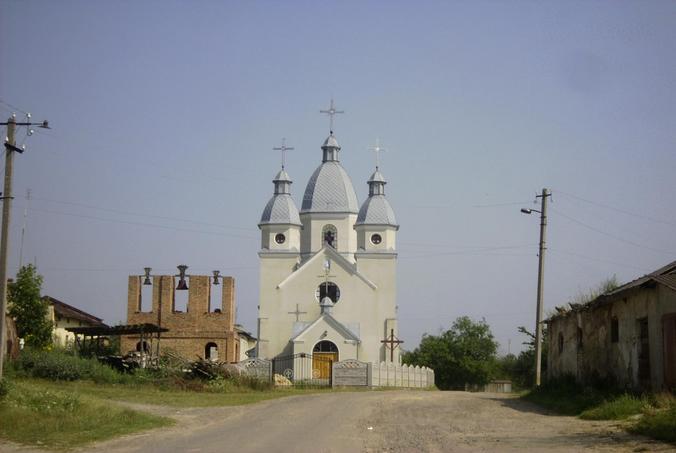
(28, 308)
(464, 354)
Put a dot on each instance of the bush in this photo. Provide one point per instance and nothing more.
(658, 424)
(5, 387)
(618, 408)
(59, 365)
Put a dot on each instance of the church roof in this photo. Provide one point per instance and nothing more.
(332, 322)
(377, 177)
(282, 176)
(376, 210)
(330, 190)
(281, 209)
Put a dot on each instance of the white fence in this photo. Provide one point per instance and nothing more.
(393, 375)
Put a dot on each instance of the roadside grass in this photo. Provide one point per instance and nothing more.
(171, 396)
(650, 415)
(618, 408)
(48, 417)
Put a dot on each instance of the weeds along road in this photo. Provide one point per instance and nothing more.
(379, 421)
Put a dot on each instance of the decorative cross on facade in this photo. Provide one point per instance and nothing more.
(331, 112)
(297, 313)
(392, 342)
(326, 276)
(377, 149)
(283, 149)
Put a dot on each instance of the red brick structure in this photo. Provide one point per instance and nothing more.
(195, 332)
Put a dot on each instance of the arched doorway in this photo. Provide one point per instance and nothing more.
(143, 347)
(211, 351)
(323, 355)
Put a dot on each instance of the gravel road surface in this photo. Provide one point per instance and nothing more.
(379, 421)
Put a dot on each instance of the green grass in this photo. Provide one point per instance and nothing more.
(656, 414)
(37, 414)
(618, 408)
(658, 424)
(170, 396)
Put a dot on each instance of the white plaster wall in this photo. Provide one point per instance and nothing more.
(359, 302)
(311, 235)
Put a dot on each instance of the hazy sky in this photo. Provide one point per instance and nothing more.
(164, 116)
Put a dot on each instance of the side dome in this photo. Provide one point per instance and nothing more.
(281, 209)
(330, 190)
(376, 210)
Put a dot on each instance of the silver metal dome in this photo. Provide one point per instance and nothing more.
(330, 190)
(281, 209)
(376, 210)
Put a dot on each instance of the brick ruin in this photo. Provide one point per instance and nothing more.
(199, 331)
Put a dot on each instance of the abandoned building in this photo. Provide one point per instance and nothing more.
(626, 336)
(64, 316)
(200, 318)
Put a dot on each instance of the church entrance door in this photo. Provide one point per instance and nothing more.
(324, 354)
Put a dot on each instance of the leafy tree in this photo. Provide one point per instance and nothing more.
(28, 308)
(464, 354)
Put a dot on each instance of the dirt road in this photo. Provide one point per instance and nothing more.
(387, 421)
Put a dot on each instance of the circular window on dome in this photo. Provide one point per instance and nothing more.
(376, 239)
(280, 238)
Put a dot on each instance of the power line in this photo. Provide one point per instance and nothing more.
(612, 208)
(600, 260)
(151, 225)
(617, 238)
(13, 106)
(117, 211)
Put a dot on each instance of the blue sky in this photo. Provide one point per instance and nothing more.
(164, 115)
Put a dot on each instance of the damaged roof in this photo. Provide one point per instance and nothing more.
(665, 275)
(68, 311)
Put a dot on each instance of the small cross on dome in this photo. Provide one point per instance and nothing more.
(283, 149)
(377, 149)
(331, 111)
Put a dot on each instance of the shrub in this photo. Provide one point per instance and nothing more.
(618, 408)
(658, 424)
(59, 365)
(5, 387)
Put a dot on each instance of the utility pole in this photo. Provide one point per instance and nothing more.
(23, 228)
(541, 275)
(10, 148)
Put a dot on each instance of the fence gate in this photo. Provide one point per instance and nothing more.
(304, 369)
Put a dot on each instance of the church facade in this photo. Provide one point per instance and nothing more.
(328, 271)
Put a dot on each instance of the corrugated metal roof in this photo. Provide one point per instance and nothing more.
(376, 210)
(281, 209)
(330, 190)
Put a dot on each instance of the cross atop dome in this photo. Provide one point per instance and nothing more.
(283, 149)
(377, 149)
(331, 112)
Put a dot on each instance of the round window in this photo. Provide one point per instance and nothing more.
(328, 289)
(280, 238)
(376, 239)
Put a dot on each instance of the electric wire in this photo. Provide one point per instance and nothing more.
(612, 208)
(617, 238)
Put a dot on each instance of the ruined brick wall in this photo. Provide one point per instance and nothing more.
(600, 356)
(189, 331)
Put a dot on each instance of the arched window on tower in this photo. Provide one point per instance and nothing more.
(330, 236)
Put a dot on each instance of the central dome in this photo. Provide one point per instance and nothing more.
(330, 190)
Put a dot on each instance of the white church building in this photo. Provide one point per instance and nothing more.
(328, 272)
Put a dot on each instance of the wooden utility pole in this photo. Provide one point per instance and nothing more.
(10, 148)
(541, 276)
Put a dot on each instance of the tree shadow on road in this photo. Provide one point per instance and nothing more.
(523, 406)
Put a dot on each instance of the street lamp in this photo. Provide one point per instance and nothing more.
(541, 273)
